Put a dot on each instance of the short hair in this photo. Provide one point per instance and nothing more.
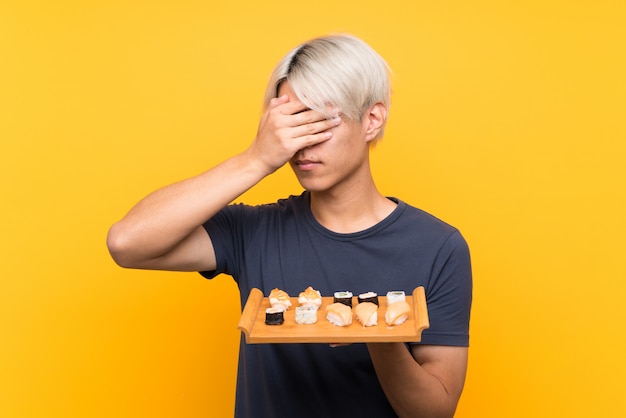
(336, 70)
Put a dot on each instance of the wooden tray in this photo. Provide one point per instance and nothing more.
(252, 323)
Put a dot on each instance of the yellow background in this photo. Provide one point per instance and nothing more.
(507, 121)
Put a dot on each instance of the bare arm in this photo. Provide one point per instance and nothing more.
(425, 382)
(164, 230)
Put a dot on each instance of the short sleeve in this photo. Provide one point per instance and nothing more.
(449, 294)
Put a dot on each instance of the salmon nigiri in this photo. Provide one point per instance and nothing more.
(397, 312)
(339, 314)
(367, 313)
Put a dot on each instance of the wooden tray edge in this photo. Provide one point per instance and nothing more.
(249, 314)
(420, 310)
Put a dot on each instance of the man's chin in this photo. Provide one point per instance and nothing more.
(312, 186)
(312, 183)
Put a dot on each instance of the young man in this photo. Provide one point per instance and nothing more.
(326, 103)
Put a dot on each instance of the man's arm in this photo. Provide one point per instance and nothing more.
(425, 382)
(164, 230)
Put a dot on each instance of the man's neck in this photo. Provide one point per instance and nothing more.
(352, 210)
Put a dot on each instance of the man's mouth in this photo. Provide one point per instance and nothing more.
(306, 165)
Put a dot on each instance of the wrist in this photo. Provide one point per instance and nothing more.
(251, 160)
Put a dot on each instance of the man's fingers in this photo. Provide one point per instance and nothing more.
(316, 126)
(314, 133)
(310, 116)
(287, 106)
(302, 113)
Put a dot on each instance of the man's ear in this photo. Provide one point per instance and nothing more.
(374, 120)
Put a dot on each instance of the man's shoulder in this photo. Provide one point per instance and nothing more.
(423, 218)
(292, 201)
(289, 203)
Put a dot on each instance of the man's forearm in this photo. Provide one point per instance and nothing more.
(165, 217)
(416, 390)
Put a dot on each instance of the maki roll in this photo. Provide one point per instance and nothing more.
(343, 297)
(368, 297)
(274, 316)
(395, 296)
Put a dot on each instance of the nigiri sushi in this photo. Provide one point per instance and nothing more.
(339, 314)
(397, 312)
(310, 297)
(279, 298)
(367, 313)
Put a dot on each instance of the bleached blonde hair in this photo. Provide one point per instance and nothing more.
(334, 71)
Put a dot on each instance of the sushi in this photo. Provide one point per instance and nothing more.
(368, 297)
(343, 297)
(310, 297)
(279, 299)
(339, 314)
(367, 313)
(395, 296)
(306, 314)
(397, 312)
(274, 316)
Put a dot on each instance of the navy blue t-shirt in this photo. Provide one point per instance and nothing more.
(281, 245)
